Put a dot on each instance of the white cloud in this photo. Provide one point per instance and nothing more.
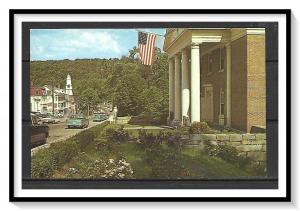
(102, 41)
(78, 42)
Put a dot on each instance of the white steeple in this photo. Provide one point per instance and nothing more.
(69, 90)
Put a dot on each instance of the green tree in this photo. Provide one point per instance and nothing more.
(87, 99)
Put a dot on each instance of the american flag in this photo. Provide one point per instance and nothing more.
(147, 47)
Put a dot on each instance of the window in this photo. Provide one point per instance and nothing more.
(222, 59)
(222, 108)
(210, 64)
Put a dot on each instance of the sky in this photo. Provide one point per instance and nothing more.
(58, 44)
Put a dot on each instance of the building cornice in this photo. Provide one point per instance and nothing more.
(205, 39)
(248, 31)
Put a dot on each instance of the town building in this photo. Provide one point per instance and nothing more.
(44, 98)
(217, 75)
(36, 97)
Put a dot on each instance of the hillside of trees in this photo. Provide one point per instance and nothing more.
(136, 89)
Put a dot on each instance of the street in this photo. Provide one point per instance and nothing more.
(60, 132)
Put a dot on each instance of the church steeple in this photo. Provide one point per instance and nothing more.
(69, 90)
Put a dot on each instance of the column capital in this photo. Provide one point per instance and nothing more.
(195, 45)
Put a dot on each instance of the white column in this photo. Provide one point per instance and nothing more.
(177, 94)
(195, 83)
(228, 85)
(171, 90)
(185, 98)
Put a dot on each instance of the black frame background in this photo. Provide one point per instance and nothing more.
(272, 108)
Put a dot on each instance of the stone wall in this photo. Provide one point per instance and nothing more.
(250, 145)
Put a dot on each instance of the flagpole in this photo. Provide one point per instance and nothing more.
(149, 32)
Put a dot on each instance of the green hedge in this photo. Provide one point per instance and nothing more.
(46, 161)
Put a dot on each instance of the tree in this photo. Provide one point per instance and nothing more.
(87, 99)
(135, 88)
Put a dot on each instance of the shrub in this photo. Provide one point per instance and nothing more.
(101, 168)
(164, 162)
(42, 166)
(199, 127)
(148, 140)
(84, 139)
(173, 140)
(63, 152)
(144, 119)
(117, 135)
(227, 153)
(99, 129)
(209, 148)
(46, 161)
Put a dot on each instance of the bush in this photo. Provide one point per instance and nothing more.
(164, 162)
(63, 152)
(42, 166)
(84, 139)
(227, 153)
(102, 168)
(199, 127)
(144, 119)
(99, 129)
(46, 161)
(117, 135)
(148, 140)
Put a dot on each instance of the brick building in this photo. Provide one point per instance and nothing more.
(217, 76)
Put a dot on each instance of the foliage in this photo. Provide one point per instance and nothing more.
(46, 161)
(42, 166)
(199, 127)
(164, 162)
(134, 88)
(108, 169)
(118, 135)
(160, 155)
(227, 153)
(84, 139)
(148, 140)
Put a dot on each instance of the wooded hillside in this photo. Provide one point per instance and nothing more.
(136, 89)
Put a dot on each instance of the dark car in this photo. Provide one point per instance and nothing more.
(39, 133)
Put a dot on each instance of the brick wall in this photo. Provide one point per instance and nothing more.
(248, 98)
(256, 91)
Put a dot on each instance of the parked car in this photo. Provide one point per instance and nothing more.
(99, 117)
(78, 121)
(39, 133)
(49, 119)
